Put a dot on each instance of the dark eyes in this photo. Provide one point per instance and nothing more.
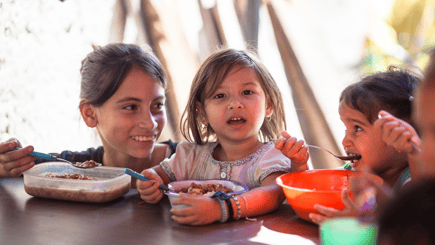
(159, 105)
(245, 92)
(133, 107)
(219, 96)
(130, 107)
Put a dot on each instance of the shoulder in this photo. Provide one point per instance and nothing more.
(194, 148)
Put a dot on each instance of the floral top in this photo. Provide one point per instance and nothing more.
(195, 162)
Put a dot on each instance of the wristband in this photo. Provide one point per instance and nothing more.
(224, 211)
(224, 198)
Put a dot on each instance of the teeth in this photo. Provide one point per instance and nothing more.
(143, 138)
(236, 119)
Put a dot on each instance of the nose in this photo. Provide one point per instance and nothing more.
(147, 121)
(347, 141)
(235, 104)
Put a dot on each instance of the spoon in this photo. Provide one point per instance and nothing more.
(141, 177)
(54, 158)
(344, 158)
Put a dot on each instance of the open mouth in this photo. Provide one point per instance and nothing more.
(355, 160)
(143, 138)
(236, 120)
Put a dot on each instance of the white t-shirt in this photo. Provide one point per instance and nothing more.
(195, 162)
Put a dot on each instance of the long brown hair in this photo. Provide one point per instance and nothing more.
(208, 78)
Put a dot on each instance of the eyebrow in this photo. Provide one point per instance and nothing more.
(136, 99)
(358, 121)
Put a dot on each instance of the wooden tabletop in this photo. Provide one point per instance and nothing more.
(30, 220)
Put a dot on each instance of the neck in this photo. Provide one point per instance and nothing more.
(232, 151)
(391, 176)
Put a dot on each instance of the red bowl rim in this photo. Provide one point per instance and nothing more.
(278, 180)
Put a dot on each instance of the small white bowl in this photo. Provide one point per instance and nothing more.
(176, 185)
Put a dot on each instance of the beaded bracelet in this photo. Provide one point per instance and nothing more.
(224, 211)
(239, 208)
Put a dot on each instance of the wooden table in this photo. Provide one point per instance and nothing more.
(30, 220)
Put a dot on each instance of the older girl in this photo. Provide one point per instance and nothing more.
(123, 98)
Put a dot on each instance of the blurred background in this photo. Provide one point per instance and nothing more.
(313, 49)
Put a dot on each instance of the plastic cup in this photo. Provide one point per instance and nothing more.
(347, 231)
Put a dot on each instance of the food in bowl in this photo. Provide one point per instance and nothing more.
(200, 190)
(108, 183)
(69, 176)
(87, 164)
(303, 189)
(173, 193)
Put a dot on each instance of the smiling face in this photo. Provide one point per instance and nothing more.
(362, 138)
(238, 107)
(130, 122)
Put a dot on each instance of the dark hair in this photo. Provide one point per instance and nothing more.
(208, 78)
(104, 69)
(391, 91)
(408, 218)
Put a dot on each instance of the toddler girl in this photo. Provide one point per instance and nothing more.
(235, 109)
(376, 113)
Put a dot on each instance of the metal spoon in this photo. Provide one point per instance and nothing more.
(54, 158)
(344, 158)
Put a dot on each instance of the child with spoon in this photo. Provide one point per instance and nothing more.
(123, 98)
(388, 94)
(235, 109)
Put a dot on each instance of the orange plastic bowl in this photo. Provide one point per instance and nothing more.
(305, 188)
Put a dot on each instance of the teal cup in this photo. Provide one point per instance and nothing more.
(347, 231)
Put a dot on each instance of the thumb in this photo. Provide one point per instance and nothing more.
(285, 134)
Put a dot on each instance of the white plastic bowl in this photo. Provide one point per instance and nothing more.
(176, 185)
(112, 183)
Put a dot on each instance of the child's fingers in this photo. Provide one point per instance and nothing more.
(285, 134)
(279, 144)
(17, 164)
(326, 211)
(18, 171)
(317, 218)
(347, 201)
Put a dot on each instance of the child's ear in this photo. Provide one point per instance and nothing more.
(269, 108)
(89, 115)
(201, 113)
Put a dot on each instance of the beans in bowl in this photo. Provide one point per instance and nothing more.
(200, 190)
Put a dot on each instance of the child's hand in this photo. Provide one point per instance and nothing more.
(149, 190)
(294, 149)
(350, 209)
(202, 210)
(13, 163)
(397, 133)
